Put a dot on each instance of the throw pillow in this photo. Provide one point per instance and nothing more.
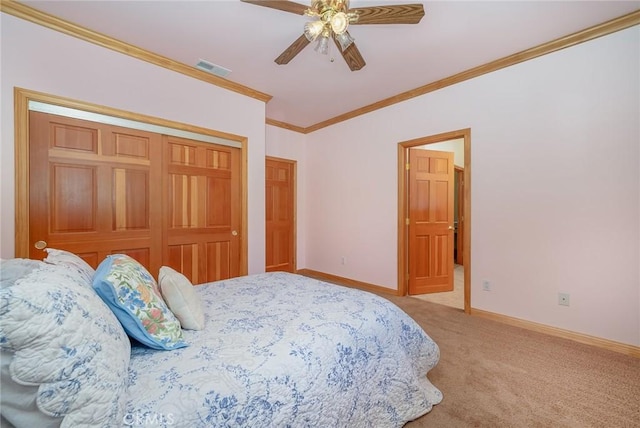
(128, 289)
(181, 298)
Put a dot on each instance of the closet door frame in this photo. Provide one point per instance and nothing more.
(22, 98)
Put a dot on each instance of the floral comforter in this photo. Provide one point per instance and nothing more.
(283, 350)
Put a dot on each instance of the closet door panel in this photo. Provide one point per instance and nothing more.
(90, 190)
(73, 202)
(131, 202)
(203, 190)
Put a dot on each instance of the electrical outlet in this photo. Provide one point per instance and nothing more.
(486, 285)
(563, 299)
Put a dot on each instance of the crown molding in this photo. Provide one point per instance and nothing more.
(609, 27)
(35, 16)
(285, 125)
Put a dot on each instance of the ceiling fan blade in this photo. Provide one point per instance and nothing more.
(293, 50)
(396, 14)
(352, 56)
(284, 5)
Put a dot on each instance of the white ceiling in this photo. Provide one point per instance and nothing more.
(452, 37)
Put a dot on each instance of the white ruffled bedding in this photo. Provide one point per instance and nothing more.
(64, 354)
(284, 350)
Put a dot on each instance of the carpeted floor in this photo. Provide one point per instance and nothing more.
(496, 375)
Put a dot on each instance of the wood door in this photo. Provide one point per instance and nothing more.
(431, 186)
(203, 209)
(280, 215)
(90, 189)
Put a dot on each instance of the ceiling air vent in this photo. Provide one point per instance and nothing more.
(212, 68)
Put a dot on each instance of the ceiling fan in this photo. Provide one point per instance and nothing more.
(332, 18)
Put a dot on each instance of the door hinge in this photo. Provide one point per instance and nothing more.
(407, 222)
(406, 166)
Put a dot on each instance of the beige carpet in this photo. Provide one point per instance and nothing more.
(496, 375)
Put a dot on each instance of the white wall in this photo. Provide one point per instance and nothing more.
(40, 59)
(285, 144)
(555, 187)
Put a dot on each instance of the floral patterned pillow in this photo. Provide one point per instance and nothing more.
(128, 289)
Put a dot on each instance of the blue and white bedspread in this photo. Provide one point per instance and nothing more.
(283, 350)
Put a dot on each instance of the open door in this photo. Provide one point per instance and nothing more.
(431, 227)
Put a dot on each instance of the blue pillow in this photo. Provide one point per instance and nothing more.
(129, 290)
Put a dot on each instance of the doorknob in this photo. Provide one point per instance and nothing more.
(234, 232)
(450, 227)
(40, 245)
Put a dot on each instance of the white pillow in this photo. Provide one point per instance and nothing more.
(71, 261)
(181, 298)
(65, 346)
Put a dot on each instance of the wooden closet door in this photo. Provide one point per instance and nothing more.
(92, 190)
(203, 209)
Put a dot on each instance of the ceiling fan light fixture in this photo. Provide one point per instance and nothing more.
(323, 45)
(313, 29)
(315, 9)
(339, 22)
(344, 40)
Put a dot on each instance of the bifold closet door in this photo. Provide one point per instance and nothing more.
(97, 189)
(203, 209)
(92, 190)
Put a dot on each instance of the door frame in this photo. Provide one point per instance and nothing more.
(403, 214)
(459, 190)
(22, 97)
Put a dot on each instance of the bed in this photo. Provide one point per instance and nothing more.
(274, 350)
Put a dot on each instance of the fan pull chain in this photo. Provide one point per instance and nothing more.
(331, 58)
